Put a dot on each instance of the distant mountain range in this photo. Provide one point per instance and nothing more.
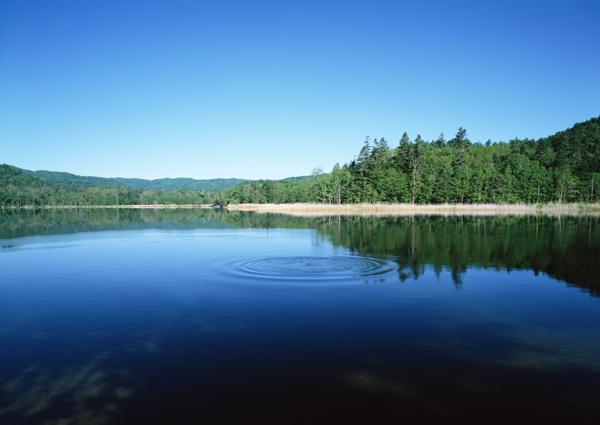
(73, 181)
(69, 180)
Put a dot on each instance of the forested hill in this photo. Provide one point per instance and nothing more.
(69, 180)
(19, 188)
(15, 177)
(564, 167)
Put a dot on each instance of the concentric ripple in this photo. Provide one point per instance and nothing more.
(304, 267)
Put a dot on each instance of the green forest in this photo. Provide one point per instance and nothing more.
(19, 189)
(562, 168)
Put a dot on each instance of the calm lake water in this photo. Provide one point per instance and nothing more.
(129, 316)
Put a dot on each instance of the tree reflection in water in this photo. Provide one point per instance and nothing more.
(566, 247)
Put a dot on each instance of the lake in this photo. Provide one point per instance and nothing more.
(204, 316)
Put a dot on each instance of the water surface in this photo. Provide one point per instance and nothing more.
(124, 316)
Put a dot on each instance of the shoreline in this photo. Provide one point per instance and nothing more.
(351, 209)
(415, 209)
(145, 207)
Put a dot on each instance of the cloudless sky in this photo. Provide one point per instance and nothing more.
(272, 89)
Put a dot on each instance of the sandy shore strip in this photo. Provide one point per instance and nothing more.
(299, 208)
(309, 209)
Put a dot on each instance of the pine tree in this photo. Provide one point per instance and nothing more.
(440, 142)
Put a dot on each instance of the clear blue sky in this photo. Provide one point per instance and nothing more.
(261, 89)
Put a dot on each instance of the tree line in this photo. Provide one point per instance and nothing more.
(561, 168)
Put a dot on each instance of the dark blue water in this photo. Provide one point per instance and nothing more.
(221, 322)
